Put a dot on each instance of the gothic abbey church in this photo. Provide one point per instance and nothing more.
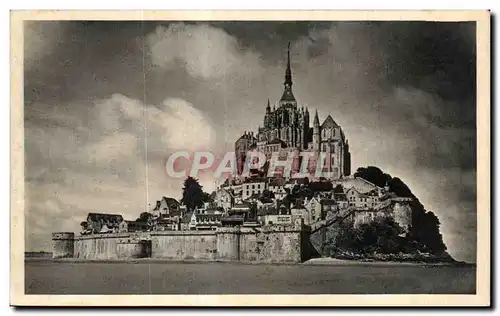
(286, 127)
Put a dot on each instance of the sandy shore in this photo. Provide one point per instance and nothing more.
(316, 261)
(340, 262)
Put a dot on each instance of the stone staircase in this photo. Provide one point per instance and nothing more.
(340, 216)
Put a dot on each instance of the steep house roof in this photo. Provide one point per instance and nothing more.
(361, 185)
(95, 217)
(171, 202)
(166, 202)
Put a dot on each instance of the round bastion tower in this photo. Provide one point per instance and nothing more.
(63, 245)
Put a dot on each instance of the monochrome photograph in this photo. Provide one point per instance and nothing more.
(265, 156)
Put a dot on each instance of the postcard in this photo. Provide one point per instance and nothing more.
(250, 158)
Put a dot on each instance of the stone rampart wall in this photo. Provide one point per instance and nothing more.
(266, 244)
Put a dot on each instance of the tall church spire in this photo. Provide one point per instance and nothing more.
(287, 94)
(288, 73)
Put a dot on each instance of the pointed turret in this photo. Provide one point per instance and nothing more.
(316, 119)
(316, 133)
(268, 107)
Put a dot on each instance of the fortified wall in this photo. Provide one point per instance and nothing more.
(265, 244)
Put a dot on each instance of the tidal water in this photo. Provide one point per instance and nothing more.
(54, 277)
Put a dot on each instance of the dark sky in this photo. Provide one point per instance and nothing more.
(106, 102)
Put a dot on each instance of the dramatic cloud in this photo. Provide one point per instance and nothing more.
(107, 102)
(206, 52)
(113, 164)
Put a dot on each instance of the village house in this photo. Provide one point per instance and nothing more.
(103, 223)
(167, 223)
(314, 210)
(166, 207)
(341, 200)
(329, 208)
(302, 212)
(253, 186)
(133, 226)
(397, 208)
(247, 210)
(167, 214)
(272, 216)
(224, 197)
(206, 218)
(277, 187)
(233, 220)
(361, 200)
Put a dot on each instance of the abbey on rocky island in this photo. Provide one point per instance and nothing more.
(286, 128)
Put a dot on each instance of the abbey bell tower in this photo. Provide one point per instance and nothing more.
(288, 98)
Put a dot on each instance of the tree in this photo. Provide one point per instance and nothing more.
(192, 194)
(320, 186)
(207, 198)
(267, 195)
(424, 233)
(373, 175)
(381, 235)
(338, 189)
(84, 225)
(147, 218)
(144, 217)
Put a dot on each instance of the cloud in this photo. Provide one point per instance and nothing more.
(206, 52)
(40, 40)
(115, 164)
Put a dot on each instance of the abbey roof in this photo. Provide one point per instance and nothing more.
(329, 123)
(288, 96)
(277, 141)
